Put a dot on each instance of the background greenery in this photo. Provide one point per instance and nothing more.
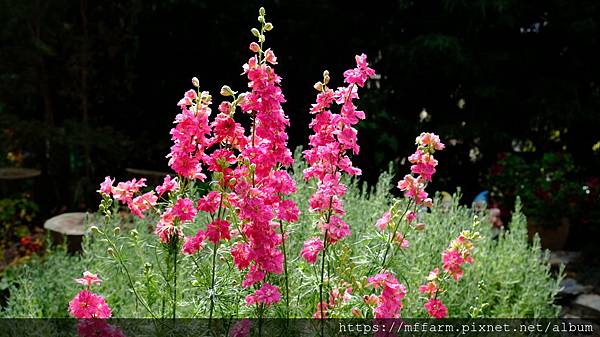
(89, 88)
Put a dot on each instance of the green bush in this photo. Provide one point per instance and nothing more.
(508, 278)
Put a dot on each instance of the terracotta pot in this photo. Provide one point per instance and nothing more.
(551, 237)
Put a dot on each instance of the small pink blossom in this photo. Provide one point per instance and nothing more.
(88, 279)
(401, 241)
(288, 211)
(389, 302)
(266, 295)
(253, 276)
(241, 255)
(168, 185)
(337, 229)
(184, 209)
(124, 191)
(254, 47)
(430, 288)
(321, 312)
(430, 140)
(106, 187)
(435, 308)
(453, 261)
(311, 249)
(218, 230)
(270, 56)
(89, 305)
(210, 202)
(193, 244)
(166, 229)
(142, 203)
(384, 221)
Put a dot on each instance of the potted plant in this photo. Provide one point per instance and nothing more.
(548, 187)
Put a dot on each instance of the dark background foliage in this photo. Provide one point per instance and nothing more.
(88, 88)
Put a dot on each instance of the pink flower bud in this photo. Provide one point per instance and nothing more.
(254, 47)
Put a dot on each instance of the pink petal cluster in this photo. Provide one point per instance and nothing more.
(168, 185)
(167, 228)
(88, 279)
(436, 308)
(193, 244)
(389, 303)
(384, 221)
(89, 305)
(184, 209)
(106, 186)
(311, 249)
(190, 135)
(454, 257)
(267, 295)
(457, 254)
(423, 166)
(126, 192)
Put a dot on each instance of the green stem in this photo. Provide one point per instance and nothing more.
(389, 242)
(214, 263)
(321, 284)
(129, 279)
(212, 283)
(285, 270)
(174, 252)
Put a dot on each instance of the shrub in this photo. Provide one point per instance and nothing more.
(508, 277)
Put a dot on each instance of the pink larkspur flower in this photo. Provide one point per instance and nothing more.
(89, 305)
(168, 185)
(430, 288)
(184, 209)
(389, 303)
(217, 230)
(430, 140)
(193, 244)
(436, 308)
(88, 279)
(142, 203)
(384, 221)
(453, 261)
(106, 187)
(267, 295)
(311, 249)
(210, 202)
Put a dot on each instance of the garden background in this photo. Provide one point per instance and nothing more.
(87, 89)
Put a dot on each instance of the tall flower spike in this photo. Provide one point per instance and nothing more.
(334, 135)
(262, 182)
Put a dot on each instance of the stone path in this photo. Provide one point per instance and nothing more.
(577, 300)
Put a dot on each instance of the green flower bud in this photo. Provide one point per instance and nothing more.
(226, 91)
(255, 32)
